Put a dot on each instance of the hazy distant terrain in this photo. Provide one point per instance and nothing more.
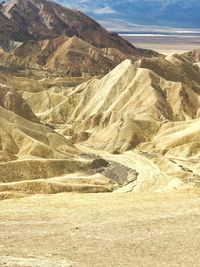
(164, 42)
(171, 13)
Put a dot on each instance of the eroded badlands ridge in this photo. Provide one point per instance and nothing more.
(134, 103)
(135, 129)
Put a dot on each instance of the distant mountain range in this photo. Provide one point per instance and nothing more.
(121, 14)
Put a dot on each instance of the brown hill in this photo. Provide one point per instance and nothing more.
(41, 19)
(7, 28)
(59, 39)
(71, 56)
(6, 25)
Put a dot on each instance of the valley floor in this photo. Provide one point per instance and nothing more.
(166, 45)
(83, 230)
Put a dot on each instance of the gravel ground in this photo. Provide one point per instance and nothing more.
(111, 229)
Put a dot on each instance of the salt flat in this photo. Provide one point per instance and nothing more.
(165, 44)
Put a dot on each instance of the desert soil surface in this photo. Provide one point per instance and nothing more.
(111, 229)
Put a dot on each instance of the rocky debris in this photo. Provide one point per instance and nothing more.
(116, 172)
(119, 173)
